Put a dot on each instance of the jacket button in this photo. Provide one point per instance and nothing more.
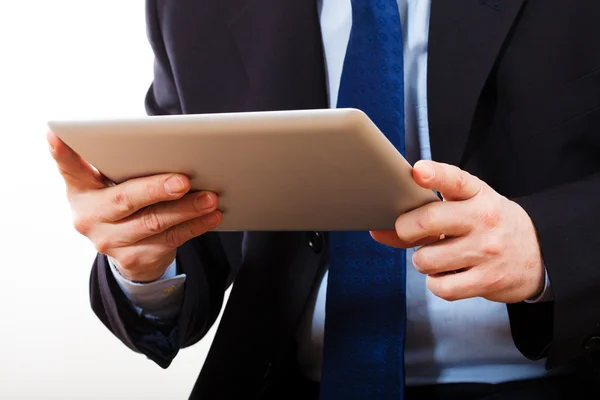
(593, 344)
(315, 242)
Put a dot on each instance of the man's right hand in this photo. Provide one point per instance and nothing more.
(139, 223)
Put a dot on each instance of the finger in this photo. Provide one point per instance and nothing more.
(158, 218)
(179, 234)
(433, 220)
(391, 239)
(452, 287)
(121, 201)
(447, 255)
(78, 174)
(154, 249)
(452, 182)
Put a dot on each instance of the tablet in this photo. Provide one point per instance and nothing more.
(273, 171)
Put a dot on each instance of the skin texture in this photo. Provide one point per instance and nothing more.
(475, 243)
(139, 223)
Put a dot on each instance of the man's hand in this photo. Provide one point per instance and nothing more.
(139, 223)
(476, 243)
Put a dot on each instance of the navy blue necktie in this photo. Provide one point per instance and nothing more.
(365, 319)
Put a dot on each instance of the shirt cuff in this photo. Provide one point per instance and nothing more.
(160, 299)
(546, 294)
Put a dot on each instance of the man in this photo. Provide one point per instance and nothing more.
(508, 93)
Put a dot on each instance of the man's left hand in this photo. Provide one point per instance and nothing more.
(475, 243)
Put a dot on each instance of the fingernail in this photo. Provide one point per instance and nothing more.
(427, 171)
(174, 185)
(213, 219)
(51, 146)
(204, 201)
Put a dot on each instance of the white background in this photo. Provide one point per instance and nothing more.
(65, 58)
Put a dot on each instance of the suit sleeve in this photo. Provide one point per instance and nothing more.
(206, 261)
(206, 264)
(564, 330)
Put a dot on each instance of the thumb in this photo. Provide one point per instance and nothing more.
(453, 183)
(78, 174)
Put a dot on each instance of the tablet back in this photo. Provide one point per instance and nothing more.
(273, 171)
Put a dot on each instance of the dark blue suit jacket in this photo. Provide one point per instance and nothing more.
(514, 98)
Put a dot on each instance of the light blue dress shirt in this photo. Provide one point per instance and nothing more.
(464, 341)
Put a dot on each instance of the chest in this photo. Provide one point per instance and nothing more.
(502, 76)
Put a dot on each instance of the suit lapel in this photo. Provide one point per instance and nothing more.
(465, 39)
(279, 43)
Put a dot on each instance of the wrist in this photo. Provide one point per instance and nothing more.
(144, 273)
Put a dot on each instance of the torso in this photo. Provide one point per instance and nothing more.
(446, 342)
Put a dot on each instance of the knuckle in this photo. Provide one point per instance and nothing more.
(492, 246)
(460, 182)
(443, 289)
(151, 221)
(489, 218)
(82, 225)
(448, 294)
(429, 217)
(401, 232)
(173, 238)
(122, 201)
(129, 261)
(421, 262)
(102, 245)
